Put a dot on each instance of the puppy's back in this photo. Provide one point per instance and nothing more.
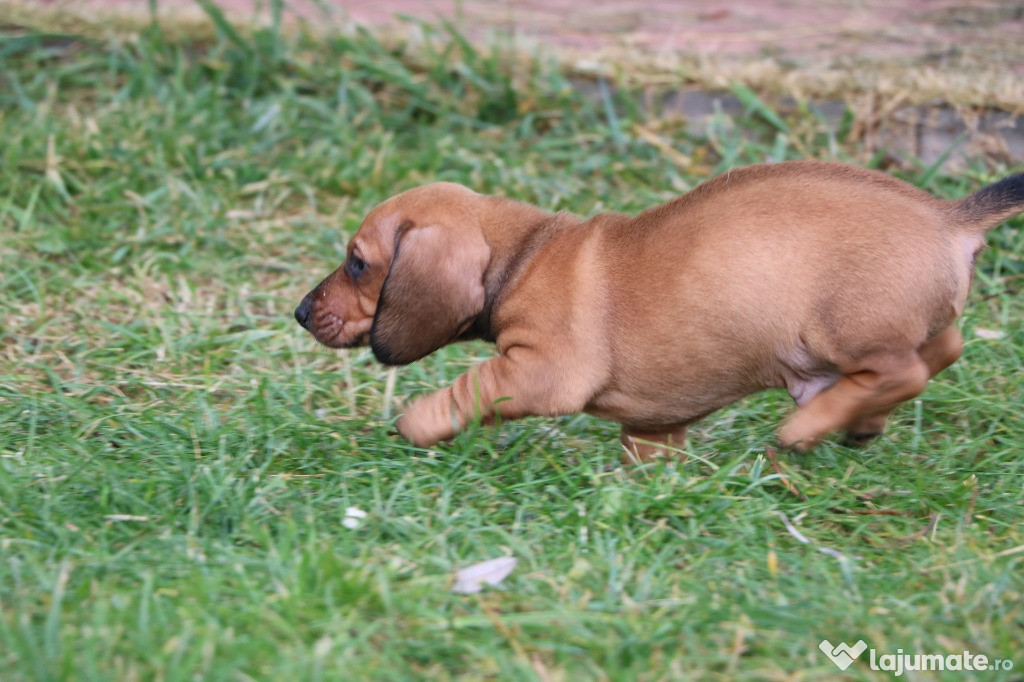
(841, 257)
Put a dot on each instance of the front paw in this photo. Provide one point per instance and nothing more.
(421, 426)
(414, 432)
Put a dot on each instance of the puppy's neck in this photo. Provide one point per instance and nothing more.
(515, 232)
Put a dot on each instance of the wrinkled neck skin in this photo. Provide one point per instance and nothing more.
(516, 233)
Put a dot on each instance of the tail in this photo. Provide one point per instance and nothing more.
(990, 206)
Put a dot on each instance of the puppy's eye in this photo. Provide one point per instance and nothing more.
(355, 266)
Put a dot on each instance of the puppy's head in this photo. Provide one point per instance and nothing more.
(412, 280)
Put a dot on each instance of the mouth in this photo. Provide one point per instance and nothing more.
(358, 342)
(330, 331)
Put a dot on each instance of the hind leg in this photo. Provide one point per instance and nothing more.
(938, 353)
(874, 385)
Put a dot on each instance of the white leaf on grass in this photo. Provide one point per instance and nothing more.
(988, 333)
(353, 517)
(471, 579)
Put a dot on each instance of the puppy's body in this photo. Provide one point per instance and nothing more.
(838, 284)
(740, 305)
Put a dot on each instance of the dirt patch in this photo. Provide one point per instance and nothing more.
(800, 32)
(803, 32)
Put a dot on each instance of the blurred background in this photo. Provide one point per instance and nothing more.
(925, 79)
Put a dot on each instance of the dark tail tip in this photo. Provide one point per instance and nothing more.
(991, 205)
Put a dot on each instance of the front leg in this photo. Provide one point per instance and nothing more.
(509, 386)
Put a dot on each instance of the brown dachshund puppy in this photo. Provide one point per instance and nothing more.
(839, 284)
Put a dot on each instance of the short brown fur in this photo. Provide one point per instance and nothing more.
(840, 284)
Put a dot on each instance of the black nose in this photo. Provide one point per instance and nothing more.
(302, 312)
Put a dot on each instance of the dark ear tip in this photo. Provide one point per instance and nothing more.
(384, 354)
(380, 351)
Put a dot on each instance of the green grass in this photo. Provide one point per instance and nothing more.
(176, 455)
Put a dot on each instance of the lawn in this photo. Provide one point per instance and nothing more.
(177, 456)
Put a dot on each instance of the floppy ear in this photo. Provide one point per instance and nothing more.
(433, 288)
